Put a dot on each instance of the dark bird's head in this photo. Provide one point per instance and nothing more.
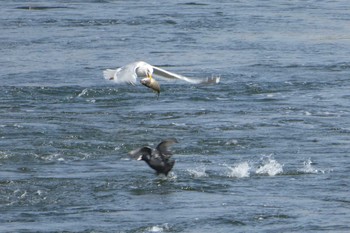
(144, 157)
(145, 154)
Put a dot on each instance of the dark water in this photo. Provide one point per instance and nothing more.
(266, 150)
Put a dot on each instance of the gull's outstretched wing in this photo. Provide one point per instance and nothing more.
(170, 75)
(124, 74)
(135, 154)
(163, 147)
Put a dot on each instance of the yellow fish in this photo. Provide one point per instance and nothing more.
(151, 83)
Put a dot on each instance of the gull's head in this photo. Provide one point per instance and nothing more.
(149, 71)
(144, 70)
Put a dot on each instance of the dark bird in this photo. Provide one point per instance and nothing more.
(159, 158)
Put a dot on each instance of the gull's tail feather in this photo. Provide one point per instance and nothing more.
(109, 74)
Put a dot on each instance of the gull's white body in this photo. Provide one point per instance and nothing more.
(130, 72)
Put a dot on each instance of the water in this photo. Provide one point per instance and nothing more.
(266, 150)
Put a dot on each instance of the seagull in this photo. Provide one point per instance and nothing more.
(159, 158)
(130, 72)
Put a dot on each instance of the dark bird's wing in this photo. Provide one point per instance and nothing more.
(163, 147)
(137, 153)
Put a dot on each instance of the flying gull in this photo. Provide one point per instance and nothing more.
(130, 72)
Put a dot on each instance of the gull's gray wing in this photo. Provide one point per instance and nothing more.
(137, 153)
(170, 75)
(163, 147)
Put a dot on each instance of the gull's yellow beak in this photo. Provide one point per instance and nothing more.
(149, 75)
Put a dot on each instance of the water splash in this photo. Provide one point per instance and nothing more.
(158, 228)
(310, 169)
(86, 93)
(240, 170)
(270, 167)
(198, 172)
(170, 177)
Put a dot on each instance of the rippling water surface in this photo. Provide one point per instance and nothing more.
(266, 150)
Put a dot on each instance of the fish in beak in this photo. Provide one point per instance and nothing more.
(151, 83)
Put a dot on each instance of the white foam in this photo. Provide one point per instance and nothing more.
(18, 125)
(83, 93)
(240, 170)
(232, 142)
(24, 194)
(178, 124)
(4, 155)
(51, 157)
(270, 167)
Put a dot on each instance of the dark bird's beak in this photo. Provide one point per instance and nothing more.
(139, 158)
